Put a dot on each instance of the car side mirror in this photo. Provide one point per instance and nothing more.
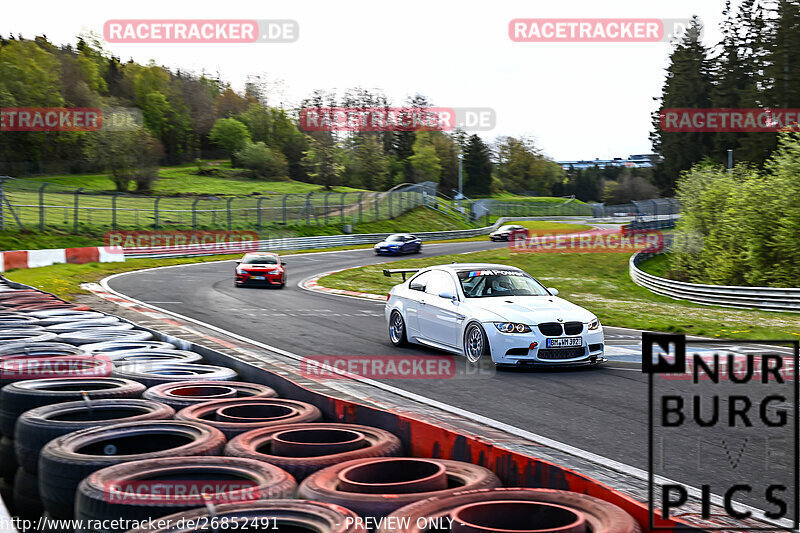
(238, 262)
(447, 295)
(283, 262)
(552, 291)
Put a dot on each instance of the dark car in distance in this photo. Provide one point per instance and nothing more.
(399, 243)
(505, 233)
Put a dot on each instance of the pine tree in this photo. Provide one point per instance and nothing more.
(688, 85)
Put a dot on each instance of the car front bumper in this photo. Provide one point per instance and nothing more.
(388, 251)
(515, 348)
(270, 280)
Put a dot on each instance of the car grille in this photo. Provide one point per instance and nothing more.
(551, 329)
(573, 328)
(563, 353)
(595, 347)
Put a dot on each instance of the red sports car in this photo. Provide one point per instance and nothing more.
(260, 269)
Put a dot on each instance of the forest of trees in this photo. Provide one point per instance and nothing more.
(187, 116)
(756, 65)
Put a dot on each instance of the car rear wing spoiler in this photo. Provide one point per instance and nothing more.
(404, 271)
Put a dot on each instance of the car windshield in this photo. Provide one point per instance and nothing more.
(260, 260)
(496, 282)
(394, 238)
(504, 228)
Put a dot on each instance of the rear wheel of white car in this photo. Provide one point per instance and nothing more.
(397, 329)
(475, 343)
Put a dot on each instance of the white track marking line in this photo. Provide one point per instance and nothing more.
(474, 417)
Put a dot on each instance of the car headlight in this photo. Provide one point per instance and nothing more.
(274, 271)
(241, 271)
(594, 324)
(512, 327)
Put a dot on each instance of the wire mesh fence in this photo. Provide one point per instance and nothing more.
(40, 206)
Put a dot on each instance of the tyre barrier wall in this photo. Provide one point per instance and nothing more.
(39, 258)
(353, 461)
(767, 298)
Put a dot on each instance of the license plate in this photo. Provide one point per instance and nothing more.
(259, 278)
(567, 342)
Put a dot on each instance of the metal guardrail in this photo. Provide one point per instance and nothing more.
(322, 241)
(766, 298)
(306, 243)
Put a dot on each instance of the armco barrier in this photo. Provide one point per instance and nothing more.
(767, 298)
(329, 241)
(425, 439)
(39, 258)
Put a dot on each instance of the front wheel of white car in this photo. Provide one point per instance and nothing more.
(397, 329)
(475, 343)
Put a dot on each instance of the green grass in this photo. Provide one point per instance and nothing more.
(599, 282)
(182, 180)
(417, 220)
(657, 265)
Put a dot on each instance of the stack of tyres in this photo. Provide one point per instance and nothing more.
(65, 461)
(153, 488)
(21, 396)
(510, 510)
(234, 416)
(38, 426)
(185, 393)
(375, 487)
(302, 449)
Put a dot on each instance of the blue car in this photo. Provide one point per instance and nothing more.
(399, 243)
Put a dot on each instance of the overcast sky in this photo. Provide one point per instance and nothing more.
(579, 101)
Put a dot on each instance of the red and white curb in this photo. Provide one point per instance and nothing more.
(98, 290)
(312, 284)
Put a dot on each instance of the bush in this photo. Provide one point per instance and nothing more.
(741, 227)
(263, 161)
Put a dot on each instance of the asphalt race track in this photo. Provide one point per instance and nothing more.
(602, 410)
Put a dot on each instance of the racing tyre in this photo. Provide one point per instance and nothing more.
(476, 345)
(8, 461)
(185, 393)
(151, 374)
(25, 495)
(515, 510)
(397, 329)
(376, 487)
(66, 460)
(16, 398)
(37, 427)
(286, 515)
(224, 479)
(302, 449)
(235, 416)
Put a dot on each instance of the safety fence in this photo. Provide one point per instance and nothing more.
(660, 208)
(767, 298)
(38, 205)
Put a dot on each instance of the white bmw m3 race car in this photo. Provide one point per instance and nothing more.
(497, 311)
